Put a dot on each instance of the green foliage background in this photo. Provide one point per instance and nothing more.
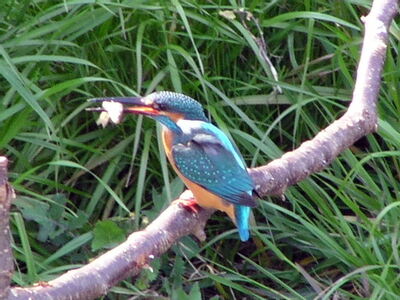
(81, 189)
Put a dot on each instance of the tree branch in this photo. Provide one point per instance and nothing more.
(128, 259)
(359, 120)
(94, 279)
(6, 258)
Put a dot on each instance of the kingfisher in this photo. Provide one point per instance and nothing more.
(206, 160)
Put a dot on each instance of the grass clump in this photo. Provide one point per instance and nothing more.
(336, 233)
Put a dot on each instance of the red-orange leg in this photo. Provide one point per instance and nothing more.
(190, 204)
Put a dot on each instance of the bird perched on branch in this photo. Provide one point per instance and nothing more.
(207, 161)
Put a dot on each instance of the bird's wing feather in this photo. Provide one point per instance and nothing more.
(208, 161)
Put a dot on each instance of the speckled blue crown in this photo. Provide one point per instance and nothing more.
(179, 103)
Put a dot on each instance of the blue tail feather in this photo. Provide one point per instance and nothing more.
(242, 214)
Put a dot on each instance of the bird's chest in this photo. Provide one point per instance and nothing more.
(168, 142)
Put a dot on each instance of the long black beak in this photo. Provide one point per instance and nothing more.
(133, 105)
(135, 101)
(123, 100)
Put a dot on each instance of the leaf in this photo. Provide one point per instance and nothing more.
(71, 164)
(69, 247)
(15, 79)
(37, 211)
(195, 293)
(57, 208)
(49, 216)
(148, 275)
(107, 235)
(78, 221)
(32, 209)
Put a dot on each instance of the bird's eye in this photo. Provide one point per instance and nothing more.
(159, 106)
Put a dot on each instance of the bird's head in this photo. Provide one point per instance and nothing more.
(165, 107)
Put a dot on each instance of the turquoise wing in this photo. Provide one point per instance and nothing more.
(209, 161)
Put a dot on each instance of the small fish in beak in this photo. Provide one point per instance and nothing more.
(110, 110)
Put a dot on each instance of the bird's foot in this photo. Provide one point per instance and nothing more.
(190, 204)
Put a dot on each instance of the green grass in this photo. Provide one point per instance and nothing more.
(336, 233)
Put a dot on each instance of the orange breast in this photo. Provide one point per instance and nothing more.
(204, 198)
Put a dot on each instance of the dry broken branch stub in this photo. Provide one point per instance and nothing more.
(6, 258)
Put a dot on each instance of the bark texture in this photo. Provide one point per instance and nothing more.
(6, 258)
